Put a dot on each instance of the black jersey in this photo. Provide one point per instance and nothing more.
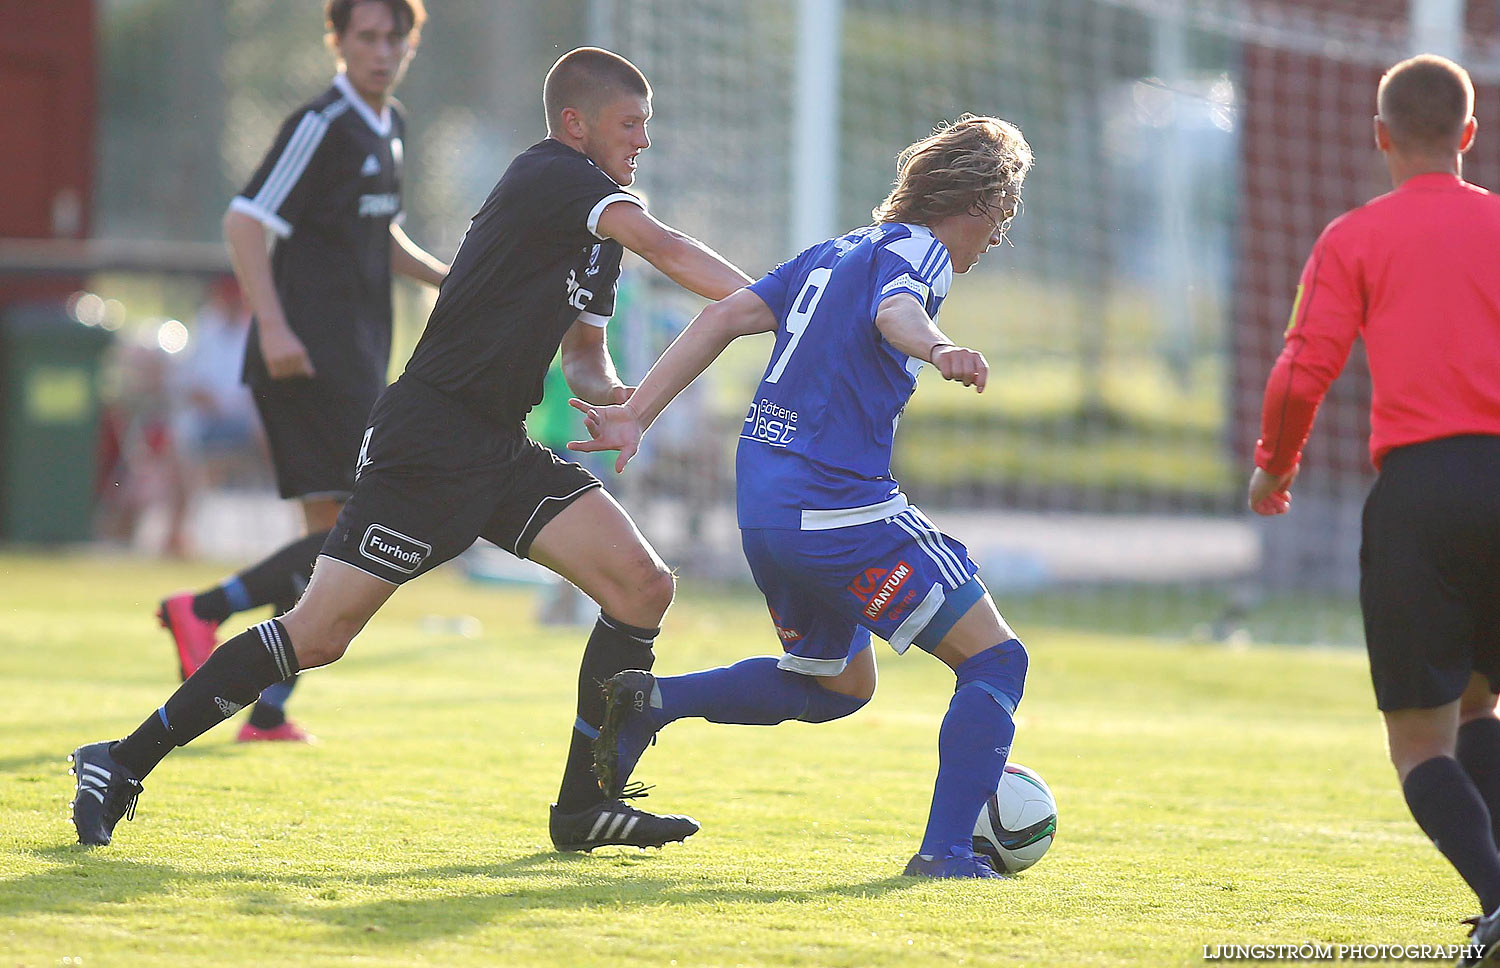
(529, 267)
(329, 188)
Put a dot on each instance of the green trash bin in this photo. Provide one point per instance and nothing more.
(49, 423)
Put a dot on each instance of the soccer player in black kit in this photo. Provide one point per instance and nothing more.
(329, 189)
(446, 459)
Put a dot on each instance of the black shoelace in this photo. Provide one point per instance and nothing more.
(118, 803)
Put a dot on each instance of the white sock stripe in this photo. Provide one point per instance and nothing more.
(629, 827)
(271, 639)
(923, 541)
(614, 828)
(265, 641)
(637, 638)
(938, 542)
(281, 649)
(599, 825)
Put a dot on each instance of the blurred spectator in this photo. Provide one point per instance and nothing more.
(139, 464)
(217, 430)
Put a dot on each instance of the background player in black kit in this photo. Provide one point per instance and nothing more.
(330, 191)
(446, 458)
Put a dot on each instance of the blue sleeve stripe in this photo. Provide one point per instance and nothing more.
(934, 258)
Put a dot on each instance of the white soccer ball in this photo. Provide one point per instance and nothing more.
(1018, 822)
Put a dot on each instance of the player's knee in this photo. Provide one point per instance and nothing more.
(639, 593)
(658, 589)
(825, 705)
(999, 671)
(319, 645)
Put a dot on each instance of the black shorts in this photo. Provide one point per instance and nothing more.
(313, 429)
(1430, 571)
(433, 476)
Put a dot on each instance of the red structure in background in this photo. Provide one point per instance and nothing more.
(48, 85)
(1309, 155)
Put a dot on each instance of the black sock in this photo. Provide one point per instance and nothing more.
(233, 676)
(269, 712)
(213, 605)
(613, 647)
(1479, 752)
(1450, 811)
(277, 578)
(264, 715)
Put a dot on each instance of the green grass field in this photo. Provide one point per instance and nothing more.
(1207, 797)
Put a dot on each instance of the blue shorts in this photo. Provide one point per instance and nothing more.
(900, 578)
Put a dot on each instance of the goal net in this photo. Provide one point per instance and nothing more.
(1187, 155)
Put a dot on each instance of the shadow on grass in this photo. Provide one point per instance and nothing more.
(426, 902)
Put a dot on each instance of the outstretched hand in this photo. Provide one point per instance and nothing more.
(1271, 493)
(613, 427)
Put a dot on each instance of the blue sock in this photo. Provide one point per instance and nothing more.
(973, 745)
(278, 693)
(753, 692)
(237, 595)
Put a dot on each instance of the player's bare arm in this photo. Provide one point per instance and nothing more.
(904, 323)
(587, 366)
(411, 260)
(621, 427)
(681, 258)
(284, 353)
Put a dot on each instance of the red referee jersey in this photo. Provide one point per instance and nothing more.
(1416, 272)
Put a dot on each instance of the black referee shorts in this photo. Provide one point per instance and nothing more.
(1430, 571)
(433, 476)
(313, 428)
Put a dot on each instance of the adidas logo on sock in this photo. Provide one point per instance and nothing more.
(226, 707)
(371, 166)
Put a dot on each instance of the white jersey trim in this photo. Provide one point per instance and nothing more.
(811, 667)
(515, 548)
(850, 517)
(270, 220)
(606, 202)
(380, 125)
(905, 283)
(593, 319)
(292, 164)
(918, 619)
(358, 568)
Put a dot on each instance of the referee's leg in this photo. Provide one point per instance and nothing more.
(1443, 799)
(1478, 746)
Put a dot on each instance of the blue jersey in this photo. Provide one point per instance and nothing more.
(815, 450)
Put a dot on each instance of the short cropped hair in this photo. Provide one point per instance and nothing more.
(961, 167)
(1425, 101)
(586, 77)
(408, 14)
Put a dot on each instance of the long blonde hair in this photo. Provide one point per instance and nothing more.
(960, 167)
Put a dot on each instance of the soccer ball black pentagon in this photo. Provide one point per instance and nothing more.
(1018, 822)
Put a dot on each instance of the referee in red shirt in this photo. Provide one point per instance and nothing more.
(1414, 273)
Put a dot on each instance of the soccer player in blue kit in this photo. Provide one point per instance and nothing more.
(832, 542)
